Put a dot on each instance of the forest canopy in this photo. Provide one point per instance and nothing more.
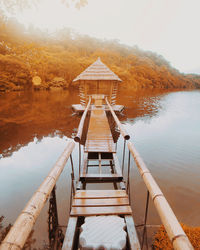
(26, 53)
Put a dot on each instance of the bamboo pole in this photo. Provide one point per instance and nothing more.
(78, 136)
(174, 230)
(21, 229)
(121, 128)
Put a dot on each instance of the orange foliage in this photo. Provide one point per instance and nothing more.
(68, 54)
(161, 240)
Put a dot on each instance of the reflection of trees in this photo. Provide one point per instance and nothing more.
(140, 103)
(28, 115)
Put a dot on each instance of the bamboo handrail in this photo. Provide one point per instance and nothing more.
(21, 229)
(120, 126)
(174, 230)
(78, 136)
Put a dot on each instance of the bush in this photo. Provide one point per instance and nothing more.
(161, 239)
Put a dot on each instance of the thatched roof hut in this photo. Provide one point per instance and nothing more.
(97, 79)
(97, 71)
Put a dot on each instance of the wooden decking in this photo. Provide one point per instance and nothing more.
(100, 153)
(100, 202)
(78, 108)
(99, 137)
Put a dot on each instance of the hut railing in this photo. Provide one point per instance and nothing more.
(22, 227)
(174, 230)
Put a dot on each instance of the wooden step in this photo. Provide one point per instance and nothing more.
(106, 210)
(98, 194)
(100, 202)
(100, 177)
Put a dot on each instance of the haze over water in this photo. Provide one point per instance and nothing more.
(164, 126)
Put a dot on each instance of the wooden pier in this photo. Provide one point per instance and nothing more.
(100, 148)
(112, 207)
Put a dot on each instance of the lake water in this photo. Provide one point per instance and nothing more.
(163, 125)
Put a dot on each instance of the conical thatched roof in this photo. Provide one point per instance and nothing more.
(97, 71)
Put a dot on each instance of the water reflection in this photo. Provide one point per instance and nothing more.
(169, 144)
(163, 125)
(26, 115)
(142, 104)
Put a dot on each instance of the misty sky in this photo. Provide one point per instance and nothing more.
(168, 27)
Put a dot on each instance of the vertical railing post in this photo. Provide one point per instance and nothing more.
(55, 233)
(79, 169)
(127, 183)
(123, 159)
(72, 175)
(70, 201)
(145, 218)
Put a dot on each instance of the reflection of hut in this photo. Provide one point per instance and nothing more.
(97, 79)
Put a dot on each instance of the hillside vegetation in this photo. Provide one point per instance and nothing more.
(28, 53)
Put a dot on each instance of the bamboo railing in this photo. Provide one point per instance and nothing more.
(174, 230)
(21, 229)
(121, 128)
(78, 136)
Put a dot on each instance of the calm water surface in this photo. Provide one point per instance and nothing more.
(164, 126)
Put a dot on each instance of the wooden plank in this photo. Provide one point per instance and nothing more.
(98, 102)
(132, 234)
(101, 177)
(100, 149)
(79, 108)
(99, 137)
(96, 194)
(100, 202)
(112, 180)
(70, 234)
(109, 210)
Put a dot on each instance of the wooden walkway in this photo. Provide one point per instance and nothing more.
(99, 137)
(100, 152)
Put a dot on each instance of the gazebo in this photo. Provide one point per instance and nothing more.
(97, 81)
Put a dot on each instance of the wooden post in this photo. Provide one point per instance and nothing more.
(85, 89)
(111, 91)
(122, 130)
(81, 124)
(21, 229)
(174, 230)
